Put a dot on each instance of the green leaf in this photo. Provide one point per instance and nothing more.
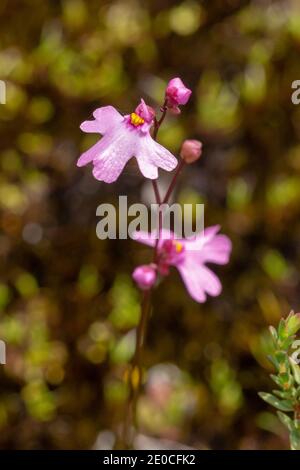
(276, 380)
(282, 394)
(293, 324)
(286, 420)
(297, 424)
(282, 330)
(286, 380)
(283, 362)
(273, 361)
(283, 405)
(295, 370)
(274, 334)
(295, 440)
(287, 343)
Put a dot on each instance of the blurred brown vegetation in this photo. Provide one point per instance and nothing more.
(67, 302)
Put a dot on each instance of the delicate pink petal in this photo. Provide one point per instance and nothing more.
(198, 279)
(105, 171)
(90, 154)
(210, 232)
(202, 237)
(148, 170)
(90, 126)
(209, 247)
(150, 152)
(109, 167)
(107, 118)
(145, 111)
(118, 147)
(217, 250)
(145, 128)
(163, 158)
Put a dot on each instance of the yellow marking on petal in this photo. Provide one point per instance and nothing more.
(136, 120)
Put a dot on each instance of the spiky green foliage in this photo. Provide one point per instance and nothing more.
(286, 358)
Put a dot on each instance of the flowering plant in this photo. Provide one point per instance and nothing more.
(135, 135)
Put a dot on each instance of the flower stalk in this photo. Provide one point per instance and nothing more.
(135, 368)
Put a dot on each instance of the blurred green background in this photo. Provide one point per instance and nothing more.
(68, 305)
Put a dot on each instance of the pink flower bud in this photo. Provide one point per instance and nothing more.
(177, 94)
(191, 151)
(144, 276)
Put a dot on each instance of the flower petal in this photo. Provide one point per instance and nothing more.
(217, 250)
(147, 169)
(111, 164)
(90, 154)
(118, 148)
(198, 279)
(163, 158)
(149, 152)
(107, 118)
(90, 126)
(209, 247)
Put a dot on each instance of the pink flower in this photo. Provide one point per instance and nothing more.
(144, 276)
(177, 94)
(123, 138)
(190, 256)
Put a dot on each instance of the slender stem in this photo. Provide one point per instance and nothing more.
(155, 252)
(173, 182)
(156, 192)
(165, 201)
(157, 124)
(135, 374)
(141, 329)
(135, 370)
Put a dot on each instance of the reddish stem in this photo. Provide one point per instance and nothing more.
(173, 182)
(134, 388)
(135, 367)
